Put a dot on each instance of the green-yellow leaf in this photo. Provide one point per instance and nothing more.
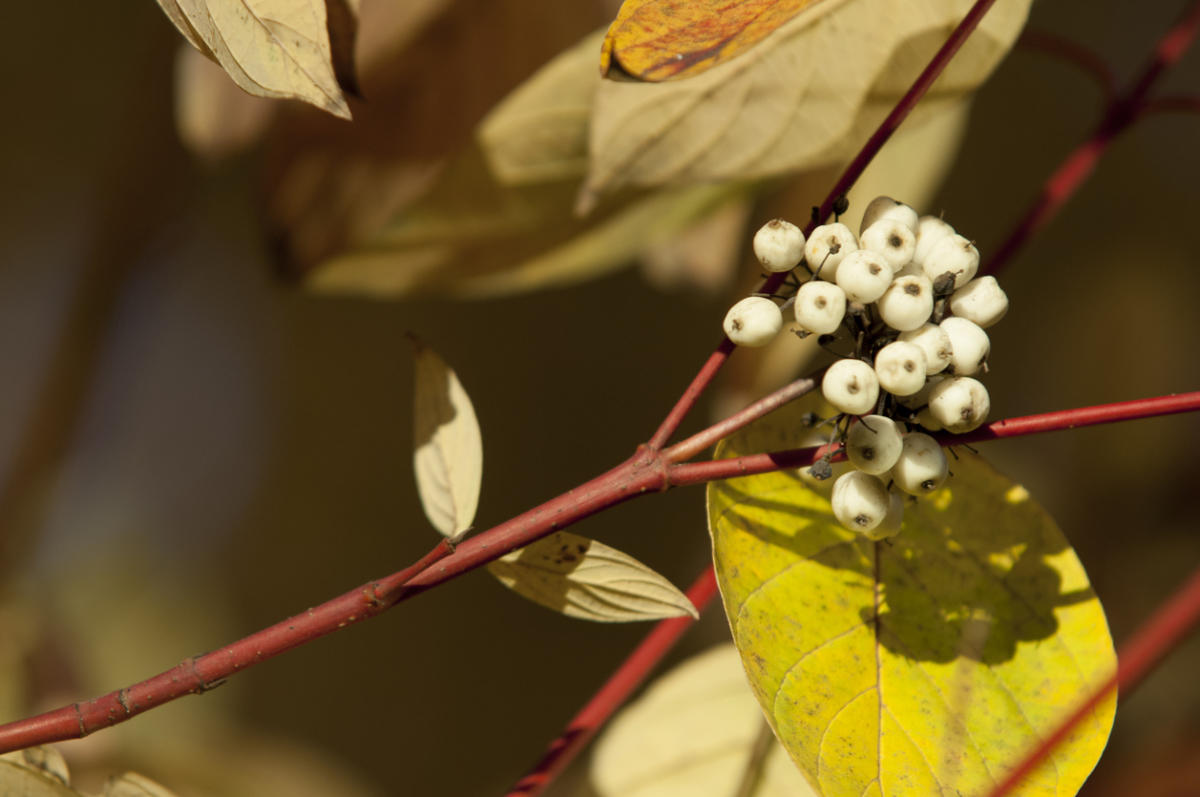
(46, 761)
(271, 48)
(22, 778)
(693, 732)
(448, 456)
(589, 580)
(806, 96)
(927, 664)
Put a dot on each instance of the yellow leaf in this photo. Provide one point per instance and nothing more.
(691, 733)
(667, 39)
(589, 580)
(448, 459)
(927, 664)
(271, 48)
(807, 96)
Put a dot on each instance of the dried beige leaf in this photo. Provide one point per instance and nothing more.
(215, 118)
(692, 732)
(806, 96)
(271, 48)
(589, 580)
(131, 784)
(449, 448)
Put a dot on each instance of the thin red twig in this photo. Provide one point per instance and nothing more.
(1174, 103)
(1135, 660)
(751, 464)
(614, 693)
(849, 177)
(686, 449)
(1079, 164)
(643, 473)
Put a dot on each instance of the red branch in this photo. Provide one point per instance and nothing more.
(614, 693)
(645, 472)
(1135, 660)
(1080, 163)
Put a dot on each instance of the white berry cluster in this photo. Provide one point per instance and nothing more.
(903, 297)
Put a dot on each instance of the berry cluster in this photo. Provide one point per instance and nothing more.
(904, 297)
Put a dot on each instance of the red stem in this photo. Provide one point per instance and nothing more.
(1087, 61)
(849, 177)
(645, 472)
(1175, 103)
(614, 693)
(1079, 164)
(1135, 660)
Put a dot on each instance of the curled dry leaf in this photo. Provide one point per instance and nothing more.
(693, 732)
(806, 96)
(589, 580)
(448, 459)
(925, 664)
(271, 48)
(656, 40)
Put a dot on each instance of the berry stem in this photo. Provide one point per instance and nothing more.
(616, 690)
(1120, 114)
(1136, 659)
(1088, 62)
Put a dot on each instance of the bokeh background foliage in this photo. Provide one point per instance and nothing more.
(194, 447)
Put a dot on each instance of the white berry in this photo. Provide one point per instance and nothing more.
(891, 239)
(860, 501)
(851, 386)
(907, 303)
(864, 275)
(980, 300)
(779, 245)
(826, 248)
(890, 525)
(934, 341)
(922, 466)
(820, 306)
(960, 404)
(955, 255)
(930, 230)
(754, 321)
(969, 345)
(873, 444)
(900, 367)
(884, 207)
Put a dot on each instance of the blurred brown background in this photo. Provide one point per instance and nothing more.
(192, 449)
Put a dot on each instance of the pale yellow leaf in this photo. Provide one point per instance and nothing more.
(692, 733)
(271, 48)
(806, 96)
(21, 779)
(449, 448)
(589, 580)
(46, 761)
(540, 131)
(215, 118)
(131, 784)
